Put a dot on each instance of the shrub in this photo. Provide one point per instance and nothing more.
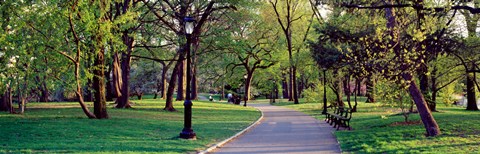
(447, 94)
(315, 94)
(394, 95)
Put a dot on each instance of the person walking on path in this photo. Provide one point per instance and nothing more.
(284, 130)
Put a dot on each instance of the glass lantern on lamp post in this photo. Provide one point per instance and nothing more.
(187, 132)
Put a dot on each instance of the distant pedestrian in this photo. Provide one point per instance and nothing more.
(230, 97)
(237, 100)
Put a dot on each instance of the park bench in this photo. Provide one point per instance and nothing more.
(339, 117)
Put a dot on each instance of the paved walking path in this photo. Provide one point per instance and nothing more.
(284, 130)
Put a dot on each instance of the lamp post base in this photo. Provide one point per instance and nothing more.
(188, 134)
(245, 101)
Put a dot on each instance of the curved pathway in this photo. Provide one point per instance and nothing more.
(284, 130)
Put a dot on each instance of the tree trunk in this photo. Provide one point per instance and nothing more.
(357, 85)
(295, 88)
(79, 92)
(347, 90)
(164, 84)
(114, 81)
(100, 103)
(472, 25)
(139, 95)
(248, 81)
(337, 89)
(44, 90)
(83, 106)
(117, 76)
(21, 103)
(194, 83)
(4, 102)
(76, 61)
(276, 92)
(123, 100)
(423, 78)
(471, 99)
(432, 105)
(158, 90)
(424, 86)
(10, 99)
(370, 89)
(290, 84)
(22, 97)
(429, 122)
(171, 86)
(180, 82)
(44, 94)
(194, 95)
(285, 89)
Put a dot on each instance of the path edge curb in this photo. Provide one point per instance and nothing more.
(220, 144)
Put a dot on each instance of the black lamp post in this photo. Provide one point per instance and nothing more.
(324, 91)
(245, 97)
(274, 91)
(271, 93)
(187, 132)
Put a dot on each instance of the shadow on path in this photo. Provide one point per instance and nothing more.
(284, 130)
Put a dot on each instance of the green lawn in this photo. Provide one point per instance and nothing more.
(63, 128)
(374, 130)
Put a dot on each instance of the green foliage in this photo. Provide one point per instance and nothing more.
(315, 94)
(62, 128)
(448, 94)
(144, 76)
(394, 95)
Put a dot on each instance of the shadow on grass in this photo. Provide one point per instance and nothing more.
(143, 129)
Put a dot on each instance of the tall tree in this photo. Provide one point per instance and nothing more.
(471, 62)
(400, 42)
(125, 12)
(287, 13)
(253, 44)
(171, 15)
(77, 54)
(396, 29)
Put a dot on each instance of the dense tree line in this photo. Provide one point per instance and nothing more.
(85, 50)
(405, 42)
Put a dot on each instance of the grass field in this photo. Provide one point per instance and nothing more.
(63, 128)
(375, 131)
